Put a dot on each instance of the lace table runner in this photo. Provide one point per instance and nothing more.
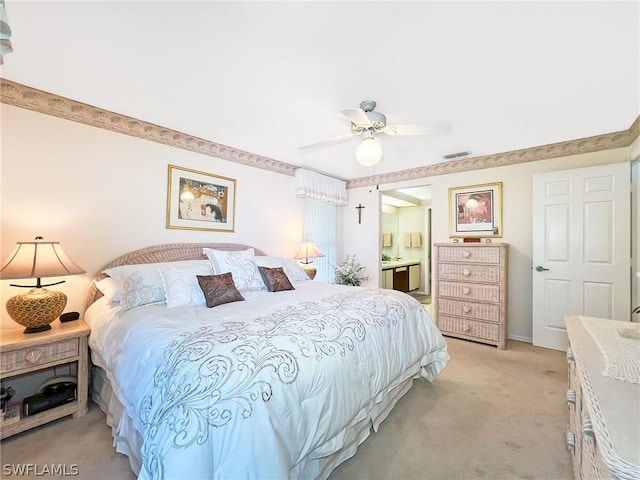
(621, 354)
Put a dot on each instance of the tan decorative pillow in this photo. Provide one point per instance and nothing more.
(219, 289)
(275, 279)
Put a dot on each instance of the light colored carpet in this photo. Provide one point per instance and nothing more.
(426, 299)
(490, 415)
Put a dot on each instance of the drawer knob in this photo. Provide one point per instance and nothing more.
(466, 272)
(571, 397)
(33, 356)
(570, 358)
(466, 290)
(466, 327)
(587, 428)
(466, 254)
(571, 440)
(466, 309)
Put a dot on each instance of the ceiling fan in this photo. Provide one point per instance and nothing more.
(367, 122)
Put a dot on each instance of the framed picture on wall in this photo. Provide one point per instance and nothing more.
(200, 201)
(475, 211)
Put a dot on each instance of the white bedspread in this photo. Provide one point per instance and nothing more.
(257, 389)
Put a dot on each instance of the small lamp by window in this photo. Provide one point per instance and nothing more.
(309, 250)
(37, 308)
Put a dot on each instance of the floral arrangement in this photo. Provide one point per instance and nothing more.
(348, 272)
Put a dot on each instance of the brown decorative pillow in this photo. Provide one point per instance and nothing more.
(219, 289)
(275, 279)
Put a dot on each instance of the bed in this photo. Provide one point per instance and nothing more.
(285, 383)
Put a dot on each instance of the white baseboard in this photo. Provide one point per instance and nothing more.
(520, 338)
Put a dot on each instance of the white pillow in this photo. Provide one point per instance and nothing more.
(141, 283)
(294, 271)
(181, 287)
(269, 262)
(123, 271)
(241, 264)
(110, 288)
(292, 268)
(139, 289)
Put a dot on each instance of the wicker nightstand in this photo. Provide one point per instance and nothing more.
(26, 353)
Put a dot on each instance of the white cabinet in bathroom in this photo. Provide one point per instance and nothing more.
(402, 275)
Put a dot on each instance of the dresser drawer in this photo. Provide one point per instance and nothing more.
(470, 328)
(469, 273)
(38, 355)
(470, 291)
(592, 462)
(484, 254)
(461, 308)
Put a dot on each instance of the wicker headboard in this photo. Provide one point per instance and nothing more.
(170, 252)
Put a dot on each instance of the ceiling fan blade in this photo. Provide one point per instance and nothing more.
(434, 129)
(357, 117)
(329, 141)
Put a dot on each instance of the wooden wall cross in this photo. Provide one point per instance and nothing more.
(359, 208)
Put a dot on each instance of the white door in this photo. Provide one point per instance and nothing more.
(581, 248)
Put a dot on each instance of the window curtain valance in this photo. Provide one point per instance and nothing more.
(320, 187)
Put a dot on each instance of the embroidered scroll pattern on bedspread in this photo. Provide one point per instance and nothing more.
(196, 386)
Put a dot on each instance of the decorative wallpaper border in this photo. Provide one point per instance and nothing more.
(607, 141)
(19, 95)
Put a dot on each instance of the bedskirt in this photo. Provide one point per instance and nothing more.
(128, 441)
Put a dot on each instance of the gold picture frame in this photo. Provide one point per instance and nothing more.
(200, 201)
(475, 211)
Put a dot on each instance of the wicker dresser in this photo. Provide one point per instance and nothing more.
(604, 410)
(470, 291)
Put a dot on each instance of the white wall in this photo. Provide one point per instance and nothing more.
(517, 225)
(635, 226)
(389, 224)
(413, 219)
(102, 194)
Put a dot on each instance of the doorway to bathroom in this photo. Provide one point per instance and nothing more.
(405, 241)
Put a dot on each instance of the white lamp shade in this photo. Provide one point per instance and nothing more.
(369, 152)
(308, 250)
(38, 259)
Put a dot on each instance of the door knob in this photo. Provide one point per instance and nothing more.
(540, 268)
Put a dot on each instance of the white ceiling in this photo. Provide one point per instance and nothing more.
(407, 197)
(268, 77)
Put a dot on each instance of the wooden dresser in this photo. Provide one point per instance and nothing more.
(470, 291)
(604, 410)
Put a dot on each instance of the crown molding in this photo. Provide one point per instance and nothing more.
(597, 143)
(19, 95)
(634, 130)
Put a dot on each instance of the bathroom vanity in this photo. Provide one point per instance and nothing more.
(402, 274)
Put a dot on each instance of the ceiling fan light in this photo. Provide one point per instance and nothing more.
(369, 152)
